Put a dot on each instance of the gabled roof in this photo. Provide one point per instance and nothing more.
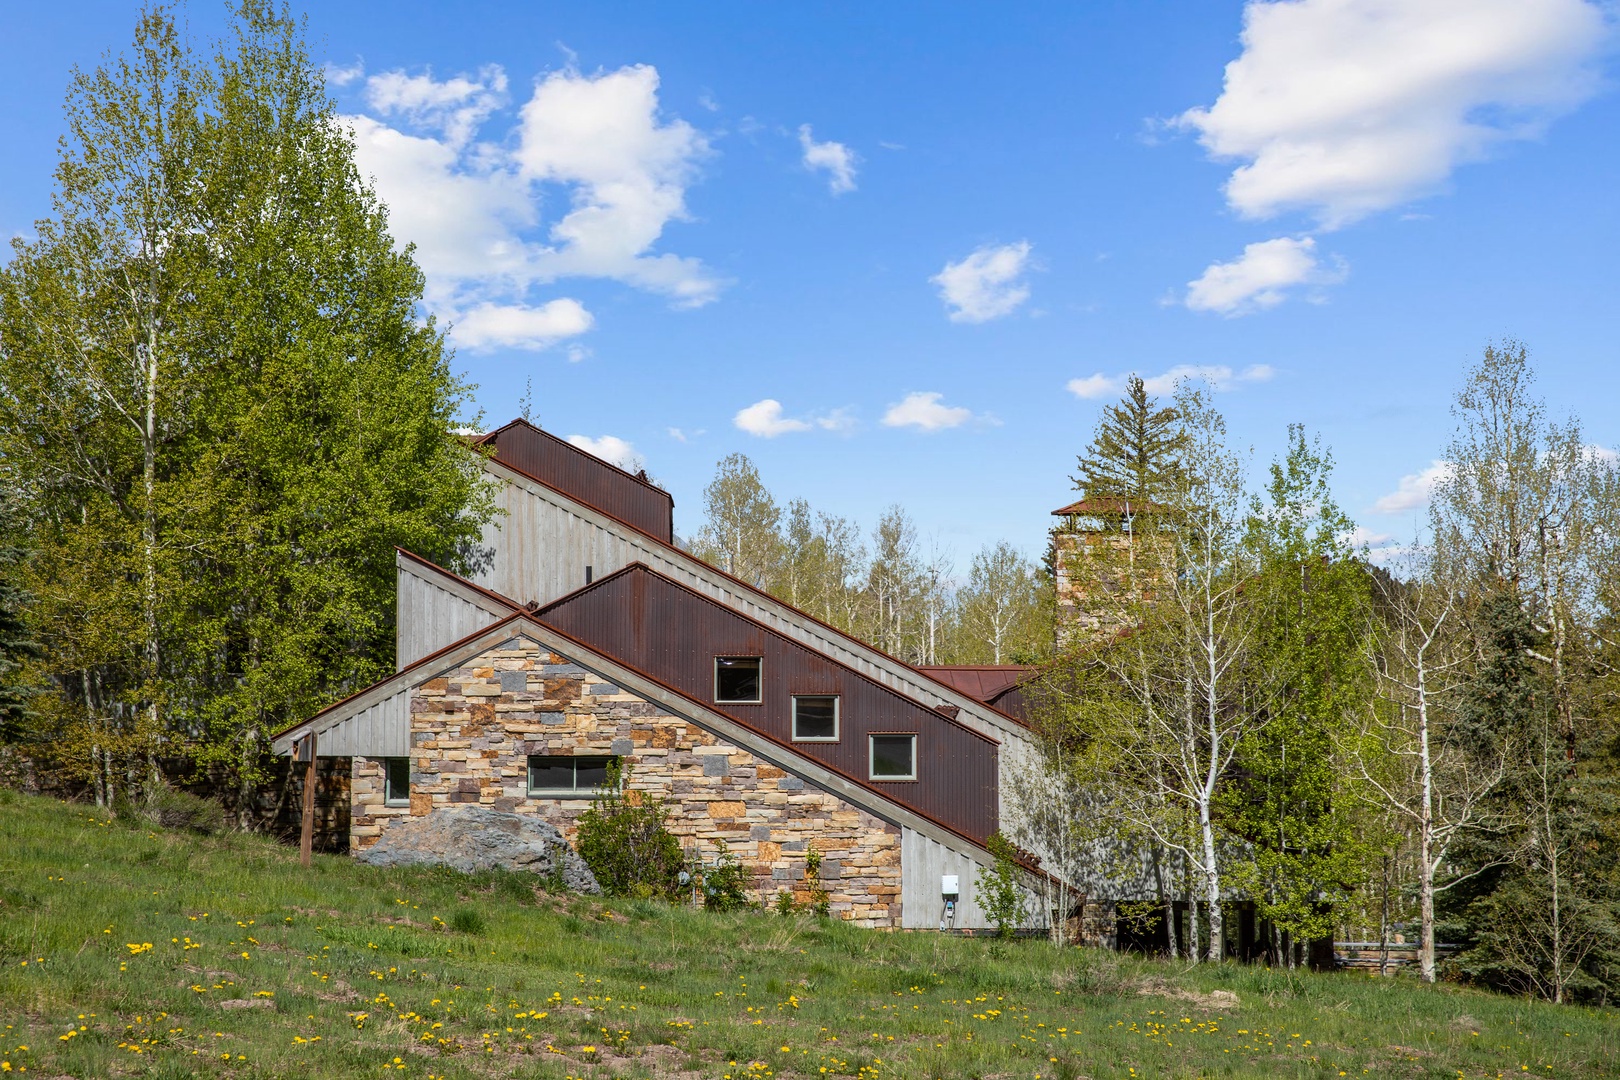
(581, 475)
(1107, 506)
(983, 681)
(765, 601)
(852, 788)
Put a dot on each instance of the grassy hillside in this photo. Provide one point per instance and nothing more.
(134, 952)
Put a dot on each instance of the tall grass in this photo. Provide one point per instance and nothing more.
(257, 967)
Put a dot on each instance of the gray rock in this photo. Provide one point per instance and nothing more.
(514, 682)
(474, 839)
(716, 765)
(623, 747)
(602, 689)
(790, 783)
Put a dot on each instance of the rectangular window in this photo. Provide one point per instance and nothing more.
(894, 757)
(567, 777)
(815, 718)
(397, 781)
(736, 679)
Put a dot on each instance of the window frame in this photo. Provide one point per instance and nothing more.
(838, 717)
(575, 792)
(759, 684)
(390, 796)
(871, 757)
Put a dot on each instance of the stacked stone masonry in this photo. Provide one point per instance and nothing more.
(473, 729)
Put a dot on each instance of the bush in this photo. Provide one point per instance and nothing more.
(724, 884)
(627, 845)
(1001, 893)
(820, 903)
(171, 808)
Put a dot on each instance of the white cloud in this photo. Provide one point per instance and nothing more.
(339, 75)
(837, 159)
(923, 410)
(987, 284)
(765, 419)
(840, 421)
(610, 448)
(1261, 277)
(1218, 376)
(1360, 535)
(1347, 107)
(627, 171)
(1414, 490)
(595, 144)
(517, 326)
(455, 108)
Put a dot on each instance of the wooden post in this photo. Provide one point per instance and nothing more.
(306, 839)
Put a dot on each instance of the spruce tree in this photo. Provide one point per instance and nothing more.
(1136, 450)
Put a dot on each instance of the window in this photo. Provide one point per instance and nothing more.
(894, 757)
(397, 781)
(567, 777)
(736, 679)
(815, 718)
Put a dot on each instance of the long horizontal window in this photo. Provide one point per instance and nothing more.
(894, 757)
(560, 777)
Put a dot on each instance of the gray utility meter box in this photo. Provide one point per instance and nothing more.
(947, 885)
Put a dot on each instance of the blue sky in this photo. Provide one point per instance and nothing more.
(903, 252)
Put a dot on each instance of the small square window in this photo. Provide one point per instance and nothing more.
(736, 679)
(567, 777)
(815, 718)
(396, 781)
(894, 757)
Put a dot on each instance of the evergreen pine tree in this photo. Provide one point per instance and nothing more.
(1136, 450)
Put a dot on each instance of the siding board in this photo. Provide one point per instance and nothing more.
(674, 634)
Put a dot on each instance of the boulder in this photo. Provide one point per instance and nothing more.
(474, 839)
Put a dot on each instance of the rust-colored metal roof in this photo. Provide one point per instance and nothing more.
(1104, 506)
(650, 623)
(1001, 686)
(580, 475)
(984, 682)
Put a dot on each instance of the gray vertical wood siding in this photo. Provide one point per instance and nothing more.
(382, 729)
(432, 616)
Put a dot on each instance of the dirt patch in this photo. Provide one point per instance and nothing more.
(247, 1003)
(1216, 1000)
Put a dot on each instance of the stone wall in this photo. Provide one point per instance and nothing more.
(473, 729)
(1093, 572)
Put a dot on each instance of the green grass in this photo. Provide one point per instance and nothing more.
(131, 952)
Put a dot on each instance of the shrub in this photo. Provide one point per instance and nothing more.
(1001, 893)
(725, 883)
(627, 845)
(171, 808)
(820, 903)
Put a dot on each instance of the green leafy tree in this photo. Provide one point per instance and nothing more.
(1001, 887)
(741, 522)
(219, 403)
(17, 646)
(1309, 599)
(1001, 613)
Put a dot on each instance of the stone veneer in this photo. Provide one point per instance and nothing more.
(1093, 571)
(473, 729)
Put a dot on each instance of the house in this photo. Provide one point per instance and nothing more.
(587, 635)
